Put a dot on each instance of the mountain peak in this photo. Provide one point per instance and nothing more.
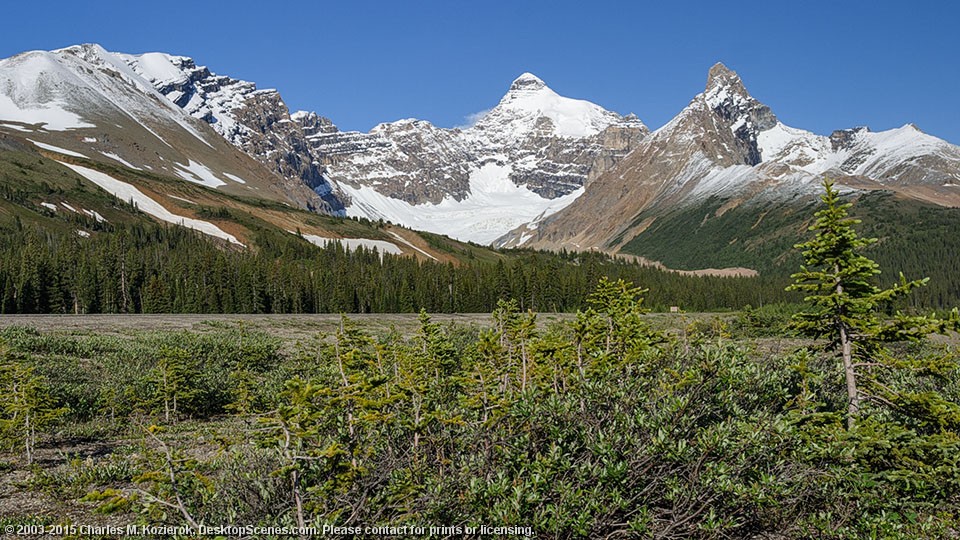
(527, 81)
(720, 76)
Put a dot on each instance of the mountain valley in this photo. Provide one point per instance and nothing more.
(723, 184)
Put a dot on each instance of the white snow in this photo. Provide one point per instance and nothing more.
(181, 199)
(523, 106)
(95, 215)
(354, 243)
(720, 179)
(494, 207)
(49, 206)
(235, 178)
(68, 207)
(895, 146)
(89, 139)
(53, 148)
(198, 174)
(121, 160)
(83, 234)
(875, 153)
(14, 126)
(52, 115)
(158, 67)
(792, 146)
(127, 192)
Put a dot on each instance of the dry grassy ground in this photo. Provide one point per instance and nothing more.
(282, 326)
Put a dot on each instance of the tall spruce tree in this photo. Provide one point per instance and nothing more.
(843, 299)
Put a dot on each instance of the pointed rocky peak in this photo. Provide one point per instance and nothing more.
(727, 98)
(527, 82)
(313, 124)
(724, 87)
(725, 112)
(87, 51)
(721, 75)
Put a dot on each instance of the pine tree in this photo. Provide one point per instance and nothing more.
(845, 303)
(26, 405)
(174, 379)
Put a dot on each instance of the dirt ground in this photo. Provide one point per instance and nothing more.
(282, 326)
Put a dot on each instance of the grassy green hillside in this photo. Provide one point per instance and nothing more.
(70, 247)
(916, 238)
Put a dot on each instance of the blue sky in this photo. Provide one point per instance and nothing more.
(820, 65)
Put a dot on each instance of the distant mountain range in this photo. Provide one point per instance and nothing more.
(538, 170)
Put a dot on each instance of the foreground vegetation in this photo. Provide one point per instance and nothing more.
(597, 426)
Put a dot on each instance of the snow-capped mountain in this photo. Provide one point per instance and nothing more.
(727, 144)
(525, 159)
(537, 170)
(86, 102)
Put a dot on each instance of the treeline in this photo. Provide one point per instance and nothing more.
(145, 268)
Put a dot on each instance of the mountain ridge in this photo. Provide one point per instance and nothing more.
(537, 170)
(726, 143)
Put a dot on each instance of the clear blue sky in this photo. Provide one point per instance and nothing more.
(820, 65)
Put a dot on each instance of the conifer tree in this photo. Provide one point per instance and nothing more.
(843, 299)
(175, 380)
(26, 405)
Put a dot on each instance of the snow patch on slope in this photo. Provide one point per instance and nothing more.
(16, 127)
(51, 115)
(121, 160)
(354, 243)
(127, 192)
(53, 148)
(235, 178)
(158, 67)
(409, 243)
(198, 174)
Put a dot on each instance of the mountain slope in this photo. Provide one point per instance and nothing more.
(728, 147)
(90, 103)
(255, 121)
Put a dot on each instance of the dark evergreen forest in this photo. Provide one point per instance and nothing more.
(145, 268)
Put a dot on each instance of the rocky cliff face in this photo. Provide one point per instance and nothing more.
(535, 147)
(255, 121)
